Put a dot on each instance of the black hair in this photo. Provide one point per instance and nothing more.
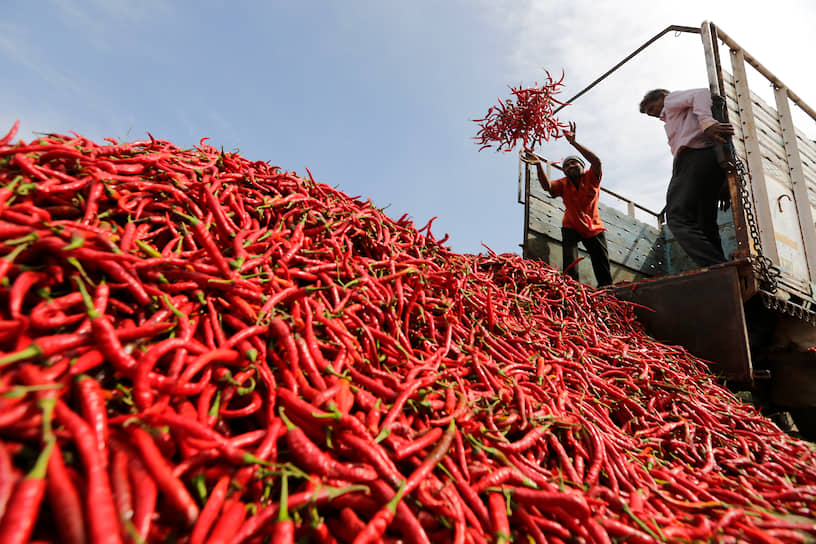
(650, 97)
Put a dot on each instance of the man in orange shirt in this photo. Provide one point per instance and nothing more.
(580, 190)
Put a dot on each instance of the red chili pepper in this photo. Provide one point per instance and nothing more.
(211, 509)
(376, 526)
(65, 501)
(433, 458)
(119, 273)
(283, 530)
(98, 495)
(254, 405)
(616, 529)
(46, 346)
(364, 309)
(154, 461)
(197, 429)
(405, 521)
(571, 503)
(49, 315)
(28, 167)
(87, 361)
(531, 524)
(313, 459)
(498, 477)
(226, 228)
(121, 484)
(104, 333)
(407, 450)
(232, 516)
(529, 118)
(22, 284)
(142, 390)
(470, 496)
(403, 397)
(92, 203)
(316, 497)
(145, 494)
(94, 411)
(4, 141)
(15, 415)
(375, 455)
(23, 507)
(204, 237)
(500, 523)
(7, 479)
(128, 235)
(8, 259)
(321, 534)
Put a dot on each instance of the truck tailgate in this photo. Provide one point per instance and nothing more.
(701, 310)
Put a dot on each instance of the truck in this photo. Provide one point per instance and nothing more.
(754, 317)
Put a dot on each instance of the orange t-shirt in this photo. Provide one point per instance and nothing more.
(580, 203)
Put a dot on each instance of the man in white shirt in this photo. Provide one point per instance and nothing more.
(697, 178)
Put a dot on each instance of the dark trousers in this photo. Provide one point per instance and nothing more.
(598, 254)
(691, 205)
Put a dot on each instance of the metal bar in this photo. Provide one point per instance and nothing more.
(635, 204)
(800, 189)
(629, 202)
(717, 89)
(759, 189)
(767, 73)
(550, 165)
(726, 154)
(524, 246)
(717, 66)
(675, 28)
(711, 65)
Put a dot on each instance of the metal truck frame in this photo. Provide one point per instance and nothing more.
(759, 324)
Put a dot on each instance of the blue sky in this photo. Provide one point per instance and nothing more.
(378, 98)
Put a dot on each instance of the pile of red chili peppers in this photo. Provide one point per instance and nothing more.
(528, 116)
(195, 347)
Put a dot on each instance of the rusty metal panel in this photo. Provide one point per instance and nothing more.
(714, 329)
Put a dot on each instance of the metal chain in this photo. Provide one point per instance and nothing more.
(763, 267)
(788, 308)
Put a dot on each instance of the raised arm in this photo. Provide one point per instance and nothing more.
(593, 159)
(531, 158)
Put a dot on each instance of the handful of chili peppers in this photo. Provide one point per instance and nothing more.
(196, 347)
(527, 117)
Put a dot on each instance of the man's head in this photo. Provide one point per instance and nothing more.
(652, 103)
(573, 166)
